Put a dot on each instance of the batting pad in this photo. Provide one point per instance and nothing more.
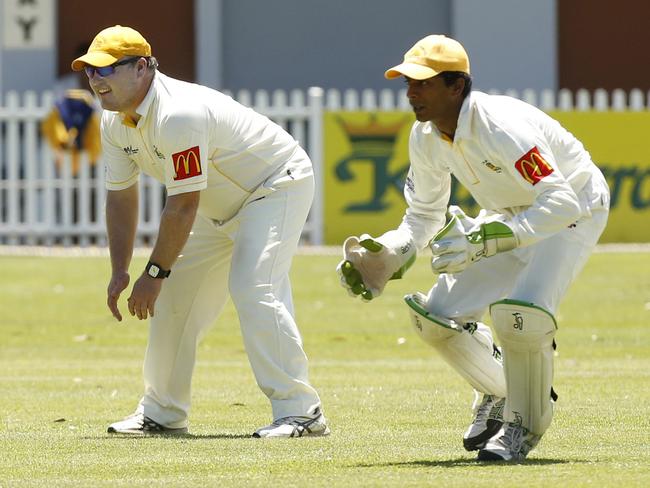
(526, 334)
(469, 351)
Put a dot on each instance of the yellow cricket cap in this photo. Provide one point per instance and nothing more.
(431, 56)
(110, 45)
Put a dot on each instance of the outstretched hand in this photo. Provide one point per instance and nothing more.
(368, 265)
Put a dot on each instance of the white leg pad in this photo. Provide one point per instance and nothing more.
(469, 351)
(526, 334)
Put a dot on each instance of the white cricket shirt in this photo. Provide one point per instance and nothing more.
(191, 137)
(513, 159)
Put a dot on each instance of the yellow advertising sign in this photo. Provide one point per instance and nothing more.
(616, 143)
(366, 161)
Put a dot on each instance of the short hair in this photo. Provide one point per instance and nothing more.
(152, 63)
(450, 78)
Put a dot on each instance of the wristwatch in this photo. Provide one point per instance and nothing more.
(155, 271)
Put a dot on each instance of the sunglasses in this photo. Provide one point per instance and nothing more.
(107, 70)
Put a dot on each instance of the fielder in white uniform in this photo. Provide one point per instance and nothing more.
(544, 203)
(239, 189)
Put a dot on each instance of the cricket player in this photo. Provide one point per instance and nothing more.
(239, 189)
(544, 203)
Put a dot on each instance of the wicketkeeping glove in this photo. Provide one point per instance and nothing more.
(464, 241)
(369, 263)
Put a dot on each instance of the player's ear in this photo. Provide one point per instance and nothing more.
(142, 66)
(459, 86)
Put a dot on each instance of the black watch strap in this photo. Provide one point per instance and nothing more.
(155, 271)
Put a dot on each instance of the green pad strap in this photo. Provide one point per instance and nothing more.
(415, 302)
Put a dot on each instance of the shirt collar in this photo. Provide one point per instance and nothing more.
(143, 108)
(464, 126)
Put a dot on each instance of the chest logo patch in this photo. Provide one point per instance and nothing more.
(533, 167)
(187, 164)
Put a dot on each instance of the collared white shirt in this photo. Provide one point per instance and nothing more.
(513, 159)
(193, 138)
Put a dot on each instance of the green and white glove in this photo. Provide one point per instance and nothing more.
(464, 241)
(369, 263)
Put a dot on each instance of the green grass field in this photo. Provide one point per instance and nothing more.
(397, 412)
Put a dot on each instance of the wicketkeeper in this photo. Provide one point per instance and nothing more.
(544, 203)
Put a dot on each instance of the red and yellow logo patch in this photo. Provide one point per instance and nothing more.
(533, 167)
(187, 163)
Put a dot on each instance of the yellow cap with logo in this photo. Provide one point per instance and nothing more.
(431, 56)
(110, 45)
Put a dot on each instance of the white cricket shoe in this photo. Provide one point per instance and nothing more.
(139, 424)
(488, 419)
(315, 425)
(512, 443)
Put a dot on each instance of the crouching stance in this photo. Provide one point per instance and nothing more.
(544, 206)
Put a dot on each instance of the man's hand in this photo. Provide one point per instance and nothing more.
(118, 283)
(464, 241)
(143, 296)
(368, 264)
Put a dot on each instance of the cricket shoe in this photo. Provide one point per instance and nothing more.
(315, 425)
(488, 419)
(512, 443)
(139, 424)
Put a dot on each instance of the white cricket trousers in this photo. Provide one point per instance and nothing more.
(247, 258)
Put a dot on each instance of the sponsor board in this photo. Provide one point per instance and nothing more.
(366, 162)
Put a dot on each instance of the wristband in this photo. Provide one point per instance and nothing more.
(155, 271)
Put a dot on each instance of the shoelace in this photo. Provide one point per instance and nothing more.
(496, 412)
(483, 409)
(513, 438)
(151, 425)
(300, 424)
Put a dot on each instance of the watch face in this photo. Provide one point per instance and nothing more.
(153, 271)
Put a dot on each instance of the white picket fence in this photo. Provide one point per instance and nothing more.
(40, 206)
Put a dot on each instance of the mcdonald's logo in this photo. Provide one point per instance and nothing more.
(533, 167)
(187, 163)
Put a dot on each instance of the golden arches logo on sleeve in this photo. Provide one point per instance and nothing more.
(533, 167)
(187, 164)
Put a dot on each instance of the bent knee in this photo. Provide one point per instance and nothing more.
(522, 324)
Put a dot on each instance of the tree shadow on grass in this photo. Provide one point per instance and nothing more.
(463, 462)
